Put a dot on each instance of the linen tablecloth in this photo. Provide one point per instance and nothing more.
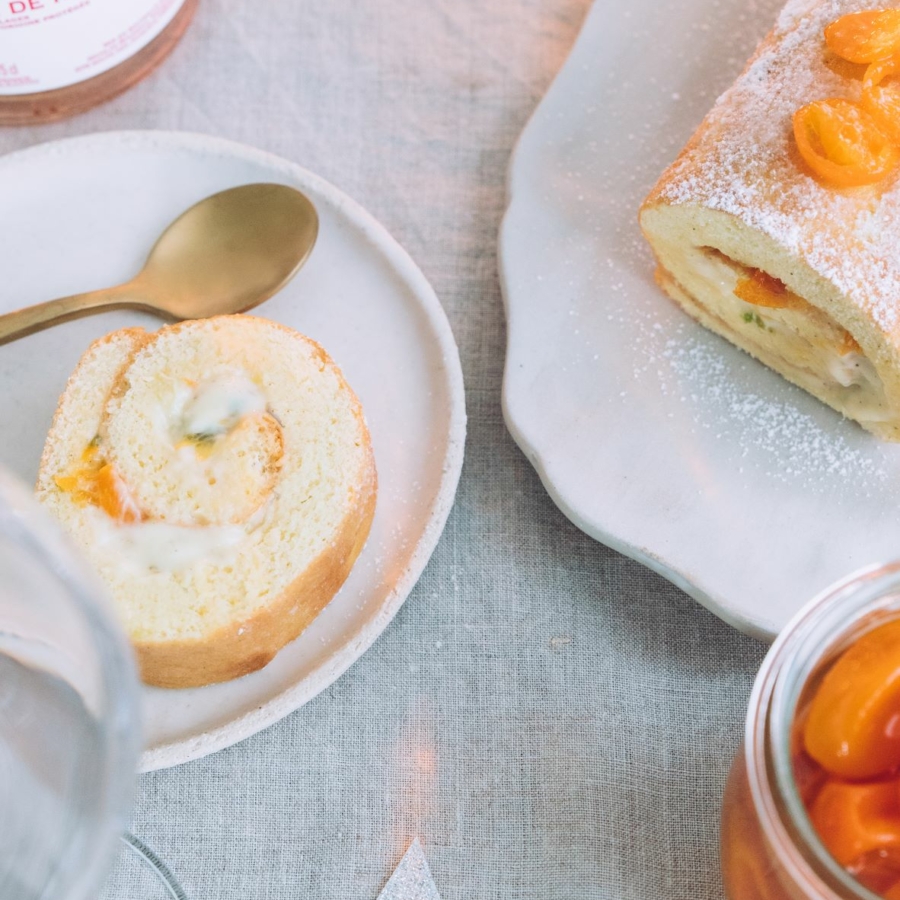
(550, 718)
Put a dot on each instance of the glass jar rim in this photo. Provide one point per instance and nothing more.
(824, 625)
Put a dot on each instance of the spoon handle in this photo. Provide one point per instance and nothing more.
(33, 318)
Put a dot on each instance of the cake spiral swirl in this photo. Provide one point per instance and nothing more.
(220, 477)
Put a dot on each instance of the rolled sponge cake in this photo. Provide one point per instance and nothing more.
(220, 477)
(803, 276)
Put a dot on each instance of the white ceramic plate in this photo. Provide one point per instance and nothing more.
(82, 213)
(652, 435)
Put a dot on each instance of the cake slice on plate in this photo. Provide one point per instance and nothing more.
(778, 225)
(220, 477)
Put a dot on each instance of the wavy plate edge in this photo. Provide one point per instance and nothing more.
(759, 628)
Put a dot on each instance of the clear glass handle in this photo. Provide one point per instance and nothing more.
(140, 873)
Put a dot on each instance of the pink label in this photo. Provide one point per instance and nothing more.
(48, 44)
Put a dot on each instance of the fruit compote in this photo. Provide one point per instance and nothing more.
(847, 759)
(812, 805)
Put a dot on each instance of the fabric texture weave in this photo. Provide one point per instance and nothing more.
(550, 718)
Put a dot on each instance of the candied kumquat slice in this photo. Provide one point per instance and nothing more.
(881, 96)
(762, 289)
(849, 344)
(853, 727)
(106, 495)
(96, 483)
(865, 37)
(877, 72)
(809, 777)
(879, 871)
(856, 819)
(842, 144)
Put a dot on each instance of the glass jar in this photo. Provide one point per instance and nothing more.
(61, 57)
(769, 849)
(69, 729)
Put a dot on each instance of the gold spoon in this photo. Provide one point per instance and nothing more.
(225, 254)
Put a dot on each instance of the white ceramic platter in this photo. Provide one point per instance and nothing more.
(82, 213)
(652, 435)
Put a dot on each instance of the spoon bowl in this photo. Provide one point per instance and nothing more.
(230, 251)
(225, 254)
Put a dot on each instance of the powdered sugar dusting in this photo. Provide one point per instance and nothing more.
(652, 433)
(748, 418)
(743, 163)
(796, 446)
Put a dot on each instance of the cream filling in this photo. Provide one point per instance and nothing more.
(206, 411)
(805, 340)
(145, 547)
(852, 368)
(216, 405)
(160, 547)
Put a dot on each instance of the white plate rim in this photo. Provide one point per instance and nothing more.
(168, 754)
